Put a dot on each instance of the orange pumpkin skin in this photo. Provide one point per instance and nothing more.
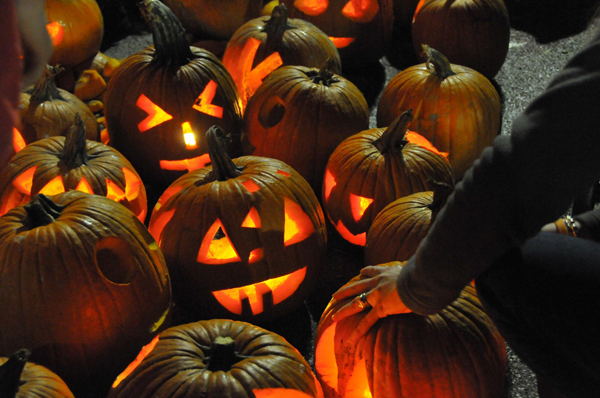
(476, 33)
(455, 107)
(58, 164)
(366, 172)
(225, 233)
(455, 353)
(210, 359)
(77, 32)
(280, 118)
(89, 288)
(295, 41)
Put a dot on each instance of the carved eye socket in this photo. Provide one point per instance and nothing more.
(311, 7)
(361, 11)
(156, 115)
(216, 247)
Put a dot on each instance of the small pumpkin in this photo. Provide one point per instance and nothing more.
(49, 111)
(22, 379)
(212, 359)
(372, 168)
(455, 107)
(242, 238)
(161, 100)
(455, 353)
(84, 284)
(299, 115)
(263, 44)
(57, 164)
(472, 33)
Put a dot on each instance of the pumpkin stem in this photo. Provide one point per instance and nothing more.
(322, 76)
(41, 210)
(222, 355)
(170, 44)
(275, 27)
(393, 138)
(45, 88)
(223, 167)
(75, 148)
(441, 192)
(10, 373)
(437, 62)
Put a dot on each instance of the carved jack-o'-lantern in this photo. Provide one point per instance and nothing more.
(243, 238)
(360, 29)
(160, 100)
(58, 164)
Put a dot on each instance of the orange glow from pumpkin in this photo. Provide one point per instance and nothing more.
(156, 115)
(55, 186)
(204, 101)
(84, 186)
(311, 7)
(419, 6)
(279, 393)
(188, 136)
(298, 225)
(252, 220)
(329, 183)
(256, 255)
(172, 190)
(361, 11)
(360, 239)
(18, 141)
(283, 173)
(147, 349)
(281, 288)
(24, 181)
(217, 249)
(250, 78)
(358, 206)
(418, 139)
(158, 224)
(251, 186)
(56, 32)
(186, 164)
(341, 42)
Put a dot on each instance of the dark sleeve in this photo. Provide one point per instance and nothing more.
(523, 181)
(590, 224)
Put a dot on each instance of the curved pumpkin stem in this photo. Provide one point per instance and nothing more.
(275, 27)
(223, 166)
(322, 76)
(75, 148)
(222, 355)
(45, 89)
(168, 35)
(441, 192)
(10, 373)
(393, 138)
(437, 62)
(41, 210)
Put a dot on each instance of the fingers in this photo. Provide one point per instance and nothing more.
(362, 328)
(347, 310)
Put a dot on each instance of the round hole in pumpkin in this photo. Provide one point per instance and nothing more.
(271, 112)
(114, 260)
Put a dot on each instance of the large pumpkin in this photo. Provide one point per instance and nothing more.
(455, 353)
(57, 164)
(455, 107)
(263, 44)
(218, 358)
(160, 100)
(242, 238)
(472, 33)
(84, 286)
(300, 115)
(375, 167)
(360, 29)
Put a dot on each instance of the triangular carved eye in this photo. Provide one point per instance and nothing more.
(361, 11)
(298, 225)
(359, 205)
(55, 186)
(312, 7)
(156, 115)
(216, 247)
(252, 220)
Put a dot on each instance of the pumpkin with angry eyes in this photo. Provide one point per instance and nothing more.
(242, 238)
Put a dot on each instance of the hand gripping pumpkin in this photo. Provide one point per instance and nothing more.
(263, 44)
(57, 164)
(375, 167)
(218, 358)
(242, 238)
(160, 100)
(84, 287)
(455, 353)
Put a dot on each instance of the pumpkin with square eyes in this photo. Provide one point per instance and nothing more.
(360, 29)
(160, 100)
(57, 164)
(242, 238)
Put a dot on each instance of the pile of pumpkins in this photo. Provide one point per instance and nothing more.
(249, 159)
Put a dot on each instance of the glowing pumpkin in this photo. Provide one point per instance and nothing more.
(360, 29)
(455, 107)
(373, 168)
(87, 285)
(160, 100)
(263, 44)
(58, 164)
(211, 359)
(254, 235)
(455, 353)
